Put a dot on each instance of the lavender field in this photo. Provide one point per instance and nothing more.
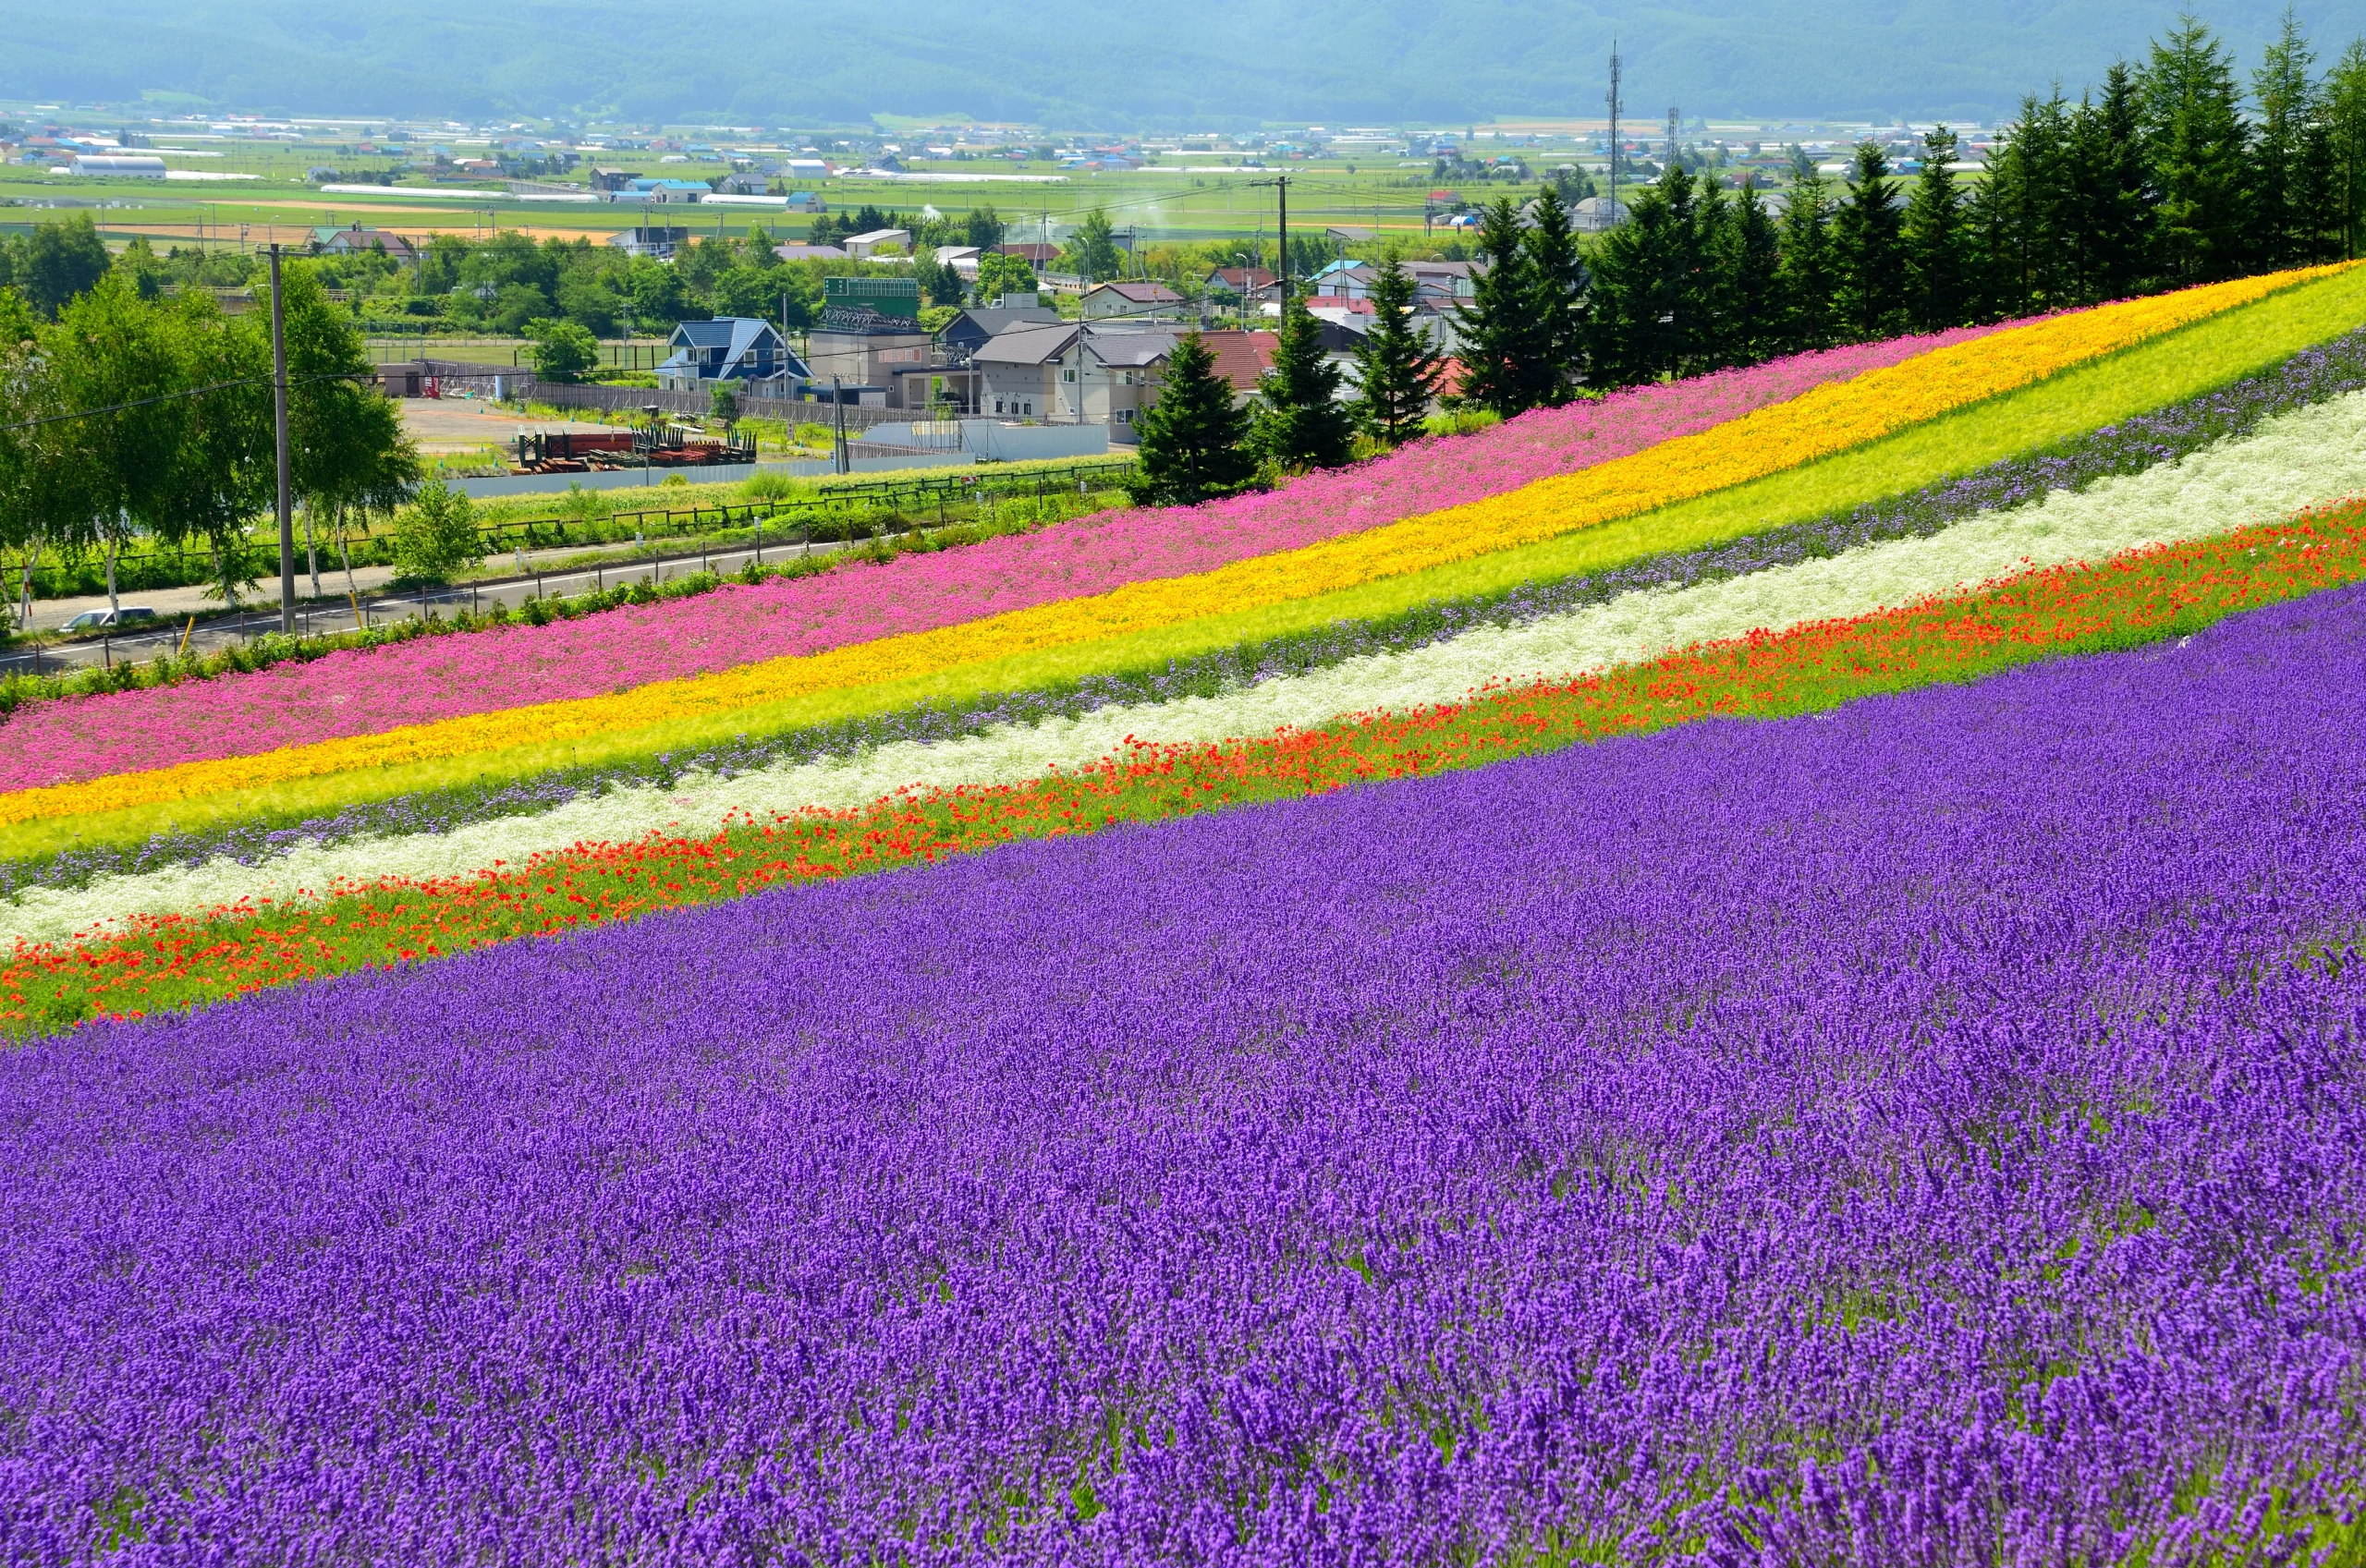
(1933, 1132)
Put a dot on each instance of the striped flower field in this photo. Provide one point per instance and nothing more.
(1764, 969)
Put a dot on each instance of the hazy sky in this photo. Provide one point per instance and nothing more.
(1072, 64)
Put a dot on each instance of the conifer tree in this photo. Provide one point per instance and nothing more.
(1935, 237)
(2345, 123)
(1192, 439)
(2194, 141)
(1869, 250)
(1705, 341)
(2316, 191)
(1557, 283)
(1399, 373)
(1647, 291)
(1303, 425)
(1806, 271)
(2035, 224)
(2113, 208)
(2279, 176)
(1746, 262)
(1497, 326)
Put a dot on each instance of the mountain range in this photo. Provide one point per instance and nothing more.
(1220, 65)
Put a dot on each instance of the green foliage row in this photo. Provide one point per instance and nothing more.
(124, 413)
(885, 538)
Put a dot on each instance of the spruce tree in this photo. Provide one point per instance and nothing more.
(1647, 288)
(2114, 205)
(1556, 305)
(2344, 122)
(1707, 342)
(2316, 192)
(1869, 250)
(1619, 330)
(2194, 140)
(1398, 371)
(1303, 425)
(1683, 275)
(1746, 262)
(1935, 236)
(1806, 272)
(1192, 438)
(2035, 227)
(2279, 178)
(1496, 327)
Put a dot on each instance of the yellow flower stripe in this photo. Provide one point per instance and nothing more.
(1826, 419)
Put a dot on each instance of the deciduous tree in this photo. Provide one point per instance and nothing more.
(60, 260)
(562, 351)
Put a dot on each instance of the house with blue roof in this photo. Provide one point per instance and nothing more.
(730, 348)
(654, 190)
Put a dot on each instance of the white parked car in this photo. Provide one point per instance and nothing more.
(99, 620)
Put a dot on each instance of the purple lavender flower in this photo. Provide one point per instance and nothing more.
(1931, 1132)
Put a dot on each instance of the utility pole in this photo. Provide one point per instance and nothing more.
(1281, 183)
(1671, 138)
(1614, 107)
(1282, 228)
(279, 422)
(839, 442)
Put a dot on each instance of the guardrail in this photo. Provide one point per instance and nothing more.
(911, 494)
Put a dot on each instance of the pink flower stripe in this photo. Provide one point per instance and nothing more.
(361, 692)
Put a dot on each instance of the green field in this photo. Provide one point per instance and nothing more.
(1176, 202)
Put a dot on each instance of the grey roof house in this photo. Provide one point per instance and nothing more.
(963, 335)
(1073, 373)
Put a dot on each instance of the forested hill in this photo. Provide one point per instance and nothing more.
(1067, 63)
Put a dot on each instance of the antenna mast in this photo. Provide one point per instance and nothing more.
(1614, 107)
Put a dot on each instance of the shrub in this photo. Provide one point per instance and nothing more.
(563, 350)
(436, 536)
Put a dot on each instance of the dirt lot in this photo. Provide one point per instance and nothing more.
(443, 425)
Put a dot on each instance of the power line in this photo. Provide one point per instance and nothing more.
(171, 396)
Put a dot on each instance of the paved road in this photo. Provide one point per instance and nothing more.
(333, 614)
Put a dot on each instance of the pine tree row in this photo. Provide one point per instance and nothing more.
(2155, 180)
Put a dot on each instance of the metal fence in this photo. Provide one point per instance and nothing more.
(777, 531)
(912, 494)
(633, 399)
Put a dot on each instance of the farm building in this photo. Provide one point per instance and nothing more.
(657, 243)
(355, 240)
(1138, 300)
(864, 247)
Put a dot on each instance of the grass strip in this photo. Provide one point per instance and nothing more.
(172, 962)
